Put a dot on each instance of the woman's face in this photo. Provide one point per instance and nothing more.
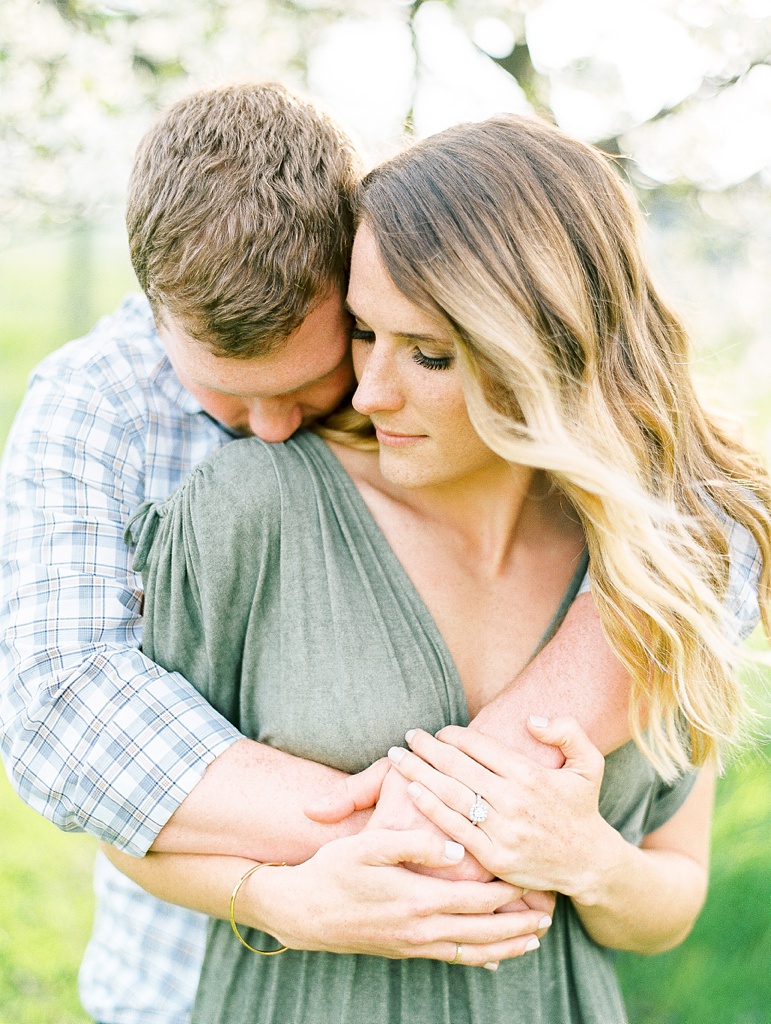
(409, 383)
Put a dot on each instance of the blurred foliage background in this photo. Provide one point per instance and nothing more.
(678, 90)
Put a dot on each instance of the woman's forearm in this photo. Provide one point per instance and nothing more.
(354, 896)
(200, 882)
(543, 830)
(645, 901)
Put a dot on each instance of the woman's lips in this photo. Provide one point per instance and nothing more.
(397, 440)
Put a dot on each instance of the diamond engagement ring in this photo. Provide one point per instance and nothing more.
(478, 811)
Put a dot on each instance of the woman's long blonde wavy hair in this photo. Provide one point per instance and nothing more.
(525, 242)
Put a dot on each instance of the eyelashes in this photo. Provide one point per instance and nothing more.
(432, 362)
(420, 357)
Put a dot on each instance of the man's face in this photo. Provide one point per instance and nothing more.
(272, 395)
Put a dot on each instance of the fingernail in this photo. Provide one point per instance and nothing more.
(414, 789)
(545, 921)
(491, 966)
(532, 944)
(396, 754)
(539, 721)
(408, 735)
(456, 852)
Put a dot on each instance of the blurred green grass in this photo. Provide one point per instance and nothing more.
(720, 975)
(46, 901)
(53, 288)
(45, 915)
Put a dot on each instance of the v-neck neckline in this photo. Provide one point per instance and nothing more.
(386, 553)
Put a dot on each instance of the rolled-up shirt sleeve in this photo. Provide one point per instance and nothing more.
(741, 605)
(94, 735)
(741, 608)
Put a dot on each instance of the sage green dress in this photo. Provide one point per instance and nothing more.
(270, 587)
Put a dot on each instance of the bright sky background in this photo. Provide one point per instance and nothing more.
(643, 59)
(612, 64)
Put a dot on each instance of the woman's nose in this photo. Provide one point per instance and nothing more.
(379, 388)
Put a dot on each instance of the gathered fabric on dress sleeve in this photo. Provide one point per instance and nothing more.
(203, 555)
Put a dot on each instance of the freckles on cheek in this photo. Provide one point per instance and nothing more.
(460, 427)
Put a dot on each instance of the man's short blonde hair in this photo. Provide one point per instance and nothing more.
(239, 214)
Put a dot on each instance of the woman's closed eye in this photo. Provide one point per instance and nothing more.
(362, 334)
(432, 362)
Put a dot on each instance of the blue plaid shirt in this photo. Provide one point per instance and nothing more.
(94, 736)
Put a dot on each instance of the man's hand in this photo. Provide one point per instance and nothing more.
(354, 793)
(396, 811)
(356, 896)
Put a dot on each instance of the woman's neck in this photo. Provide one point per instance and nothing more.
(491, 561)
(483, 516)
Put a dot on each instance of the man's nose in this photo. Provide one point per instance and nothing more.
(274, 419)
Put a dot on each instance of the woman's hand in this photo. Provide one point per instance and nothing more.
(543, 826)
(543, 830)
(396, 810)
(356, 896)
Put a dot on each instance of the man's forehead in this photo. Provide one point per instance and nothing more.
(310, 353)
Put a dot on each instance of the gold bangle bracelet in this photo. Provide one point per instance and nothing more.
(234, 926)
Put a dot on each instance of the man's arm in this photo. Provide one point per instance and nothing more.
(95, 736)
(576, 674)
(250, 803)
(228, 809)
